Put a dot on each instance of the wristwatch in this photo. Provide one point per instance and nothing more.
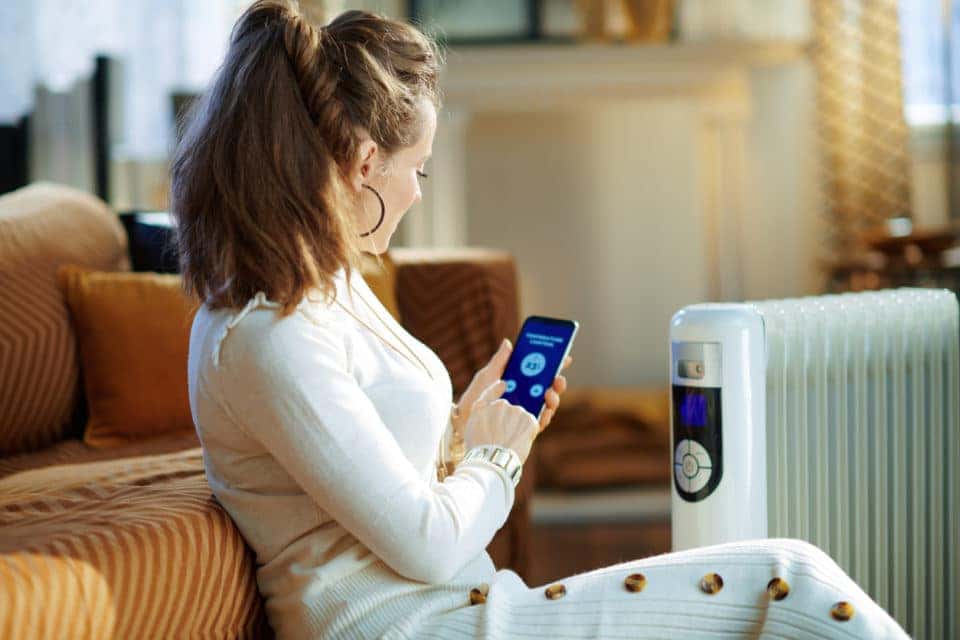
(503, 457)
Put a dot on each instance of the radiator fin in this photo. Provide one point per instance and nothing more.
(863, 437)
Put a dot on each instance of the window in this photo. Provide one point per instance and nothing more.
(930, 49)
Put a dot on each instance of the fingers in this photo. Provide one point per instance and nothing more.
(552, 399)
(566, 362)
(560, 384)
(545, 419)
(552, 396)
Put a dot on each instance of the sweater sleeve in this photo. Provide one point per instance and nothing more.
(287, 383)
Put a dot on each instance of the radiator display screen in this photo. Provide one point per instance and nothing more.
(696, 410)
(693, 410)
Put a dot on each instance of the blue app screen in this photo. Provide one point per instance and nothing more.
(535, 361)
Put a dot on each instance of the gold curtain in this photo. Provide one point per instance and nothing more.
(862, 131)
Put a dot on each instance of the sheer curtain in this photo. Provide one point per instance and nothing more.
(49, 47)
(931, 69)
(862, 132)
(156, 48)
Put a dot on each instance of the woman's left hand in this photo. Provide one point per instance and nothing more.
(493, 371)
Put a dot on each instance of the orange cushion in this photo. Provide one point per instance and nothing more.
(133, 330)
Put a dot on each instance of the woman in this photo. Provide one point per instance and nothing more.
(324, 422)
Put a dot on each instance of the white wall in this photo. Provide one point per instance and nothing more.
(602, 211)
(785, 218)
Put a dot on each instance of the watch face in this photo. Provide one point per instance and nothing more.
(503, 457)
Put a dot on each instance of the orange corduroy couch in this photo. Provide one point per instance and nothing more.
(128, 541)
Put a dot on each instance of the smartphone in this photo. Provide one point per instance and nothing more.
(538, 353)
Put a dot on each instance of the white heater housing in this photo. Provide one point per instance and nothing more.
(837, 422)
(718, 434)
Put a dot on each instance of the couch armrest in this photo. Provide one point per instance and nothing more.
(462, 302)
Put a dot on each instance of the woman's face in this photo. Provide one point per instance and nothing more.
(399, 186)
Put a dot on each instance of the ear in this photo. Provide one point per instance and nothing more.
(364, 163)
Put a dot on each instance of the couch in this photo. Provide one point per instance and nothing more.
(128, 541)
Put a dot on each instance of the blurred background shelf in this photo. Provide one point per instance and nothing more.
(642, 504)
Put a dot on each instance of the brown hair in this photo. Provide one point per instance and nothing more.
(259, 177)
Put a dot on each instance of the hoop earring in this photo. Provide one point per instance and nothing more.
(383, 211)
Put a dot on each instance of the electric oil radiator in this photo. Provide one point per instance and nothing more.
(834, 419)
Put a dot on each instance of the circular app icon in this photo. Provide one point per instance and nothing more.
(536, 390)
(533, 364)
(511, 385)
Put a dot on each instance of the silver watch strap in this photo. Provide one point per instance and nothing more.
(503, 457)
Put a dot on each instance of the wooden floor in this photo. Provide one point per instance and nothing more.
(563, 550)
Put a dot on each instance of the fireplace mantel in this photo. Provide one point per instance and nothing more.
(713, 77)
(534, 77)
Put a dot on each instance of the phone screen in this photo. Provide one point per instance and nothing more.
(535, 361)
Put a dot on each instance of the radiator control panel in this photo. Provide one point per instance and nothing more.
(697, 418)
(697, 434)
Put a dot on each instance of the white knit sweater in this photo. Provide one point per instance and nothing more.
(321, 443)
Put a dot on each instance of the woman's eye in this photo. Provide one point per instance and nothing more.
(422, 174)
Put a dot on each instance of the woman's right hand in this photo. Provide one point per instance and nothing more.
(495, 421)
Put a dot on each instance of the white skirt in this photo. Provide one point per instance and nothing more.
(721, 591)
